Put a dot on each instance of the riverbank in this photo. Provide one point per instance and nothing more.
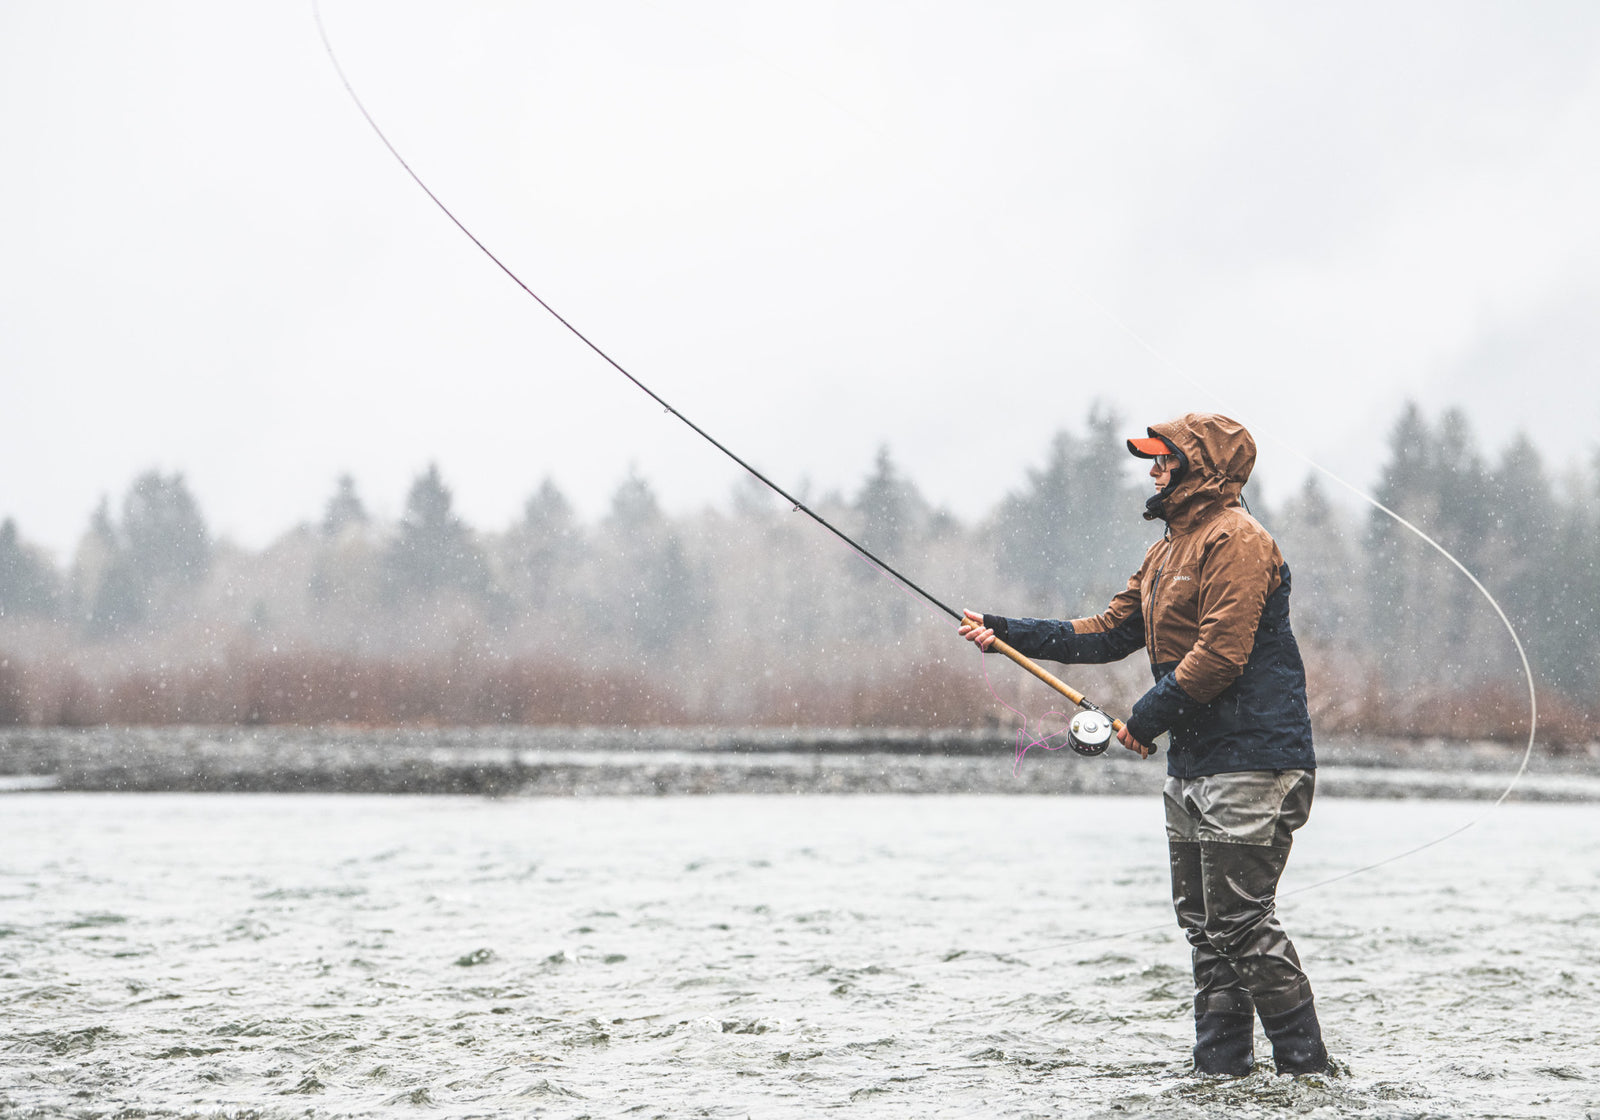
(561, 761)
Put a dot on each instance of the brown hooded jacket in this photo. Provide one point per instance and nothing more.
(1210, 604)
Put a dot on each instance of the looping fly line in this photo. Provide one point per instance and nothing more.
(1026, 739)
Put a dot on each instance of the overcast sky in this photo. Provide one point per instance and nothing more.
(816, 229)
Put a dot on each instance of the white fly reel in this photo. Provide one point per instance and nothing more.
(1090, 732)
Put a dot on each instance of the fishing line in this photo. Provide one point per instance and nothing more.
(888, 570)
(1266, 431)
(1371, 500)
(796, 503)
(1027, 740)
(800, 507)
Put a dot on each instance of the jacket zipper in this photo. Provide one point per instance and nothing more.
(1150, 614)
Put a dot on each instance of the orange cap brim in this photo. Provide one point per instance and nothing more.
(1149, 447)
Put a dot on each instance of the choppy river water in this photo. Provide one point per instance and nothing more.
(267, 955)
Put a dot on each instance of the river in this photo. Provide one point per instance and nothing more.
(273, 955)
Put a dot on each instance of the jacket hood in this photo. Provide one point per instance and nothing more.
(1219, 455)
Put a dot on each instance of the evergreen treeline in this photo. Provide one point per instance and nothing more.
(755, 615)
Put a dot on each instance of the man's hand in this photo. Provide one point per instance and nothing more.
(973, 630)
(1133, 744)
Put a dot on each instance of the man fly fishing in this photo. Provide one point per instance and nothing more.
(1210, 605)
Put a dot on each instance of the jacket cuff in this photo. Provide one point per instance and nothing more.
(1161, 709)
(998, 624)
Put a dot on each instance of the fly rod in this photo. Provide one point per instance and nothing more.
(1097, 727)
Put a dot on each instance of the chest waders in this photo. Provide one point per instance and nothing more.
(1228, 837)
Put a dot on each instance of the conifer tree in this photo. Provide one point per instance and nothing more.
(1319, 544)
(889, 510)
(433, 549)
(1408, 588)
(544, 548)
(345, 510)
(658, 590)
(160, 550)
(1523, 564)
(1075, 533)
(1573, 661)
(893, 520)
(164, 536)
(342, 571)
(28, 582)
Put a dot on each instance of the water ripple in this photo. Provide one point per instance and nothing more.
(274, 956)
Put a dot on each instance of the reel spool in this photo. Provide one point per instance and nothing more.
(1089, 733)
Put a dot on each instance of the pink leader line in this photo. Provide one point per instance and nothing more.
(1027, 740)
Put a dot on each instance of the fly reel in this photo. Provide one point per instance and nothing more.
(1089, 733)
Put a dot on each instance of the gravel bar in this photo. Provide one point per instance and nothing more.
(565, 761)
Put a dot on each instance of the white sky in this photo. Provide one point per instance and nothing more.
(816, 229)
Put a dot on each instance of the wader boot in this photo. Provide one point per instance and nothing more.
(1224, 1043)
(1224, 1013)
(1296, 1040)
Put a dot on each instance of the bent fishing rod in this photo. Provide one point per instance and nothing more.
(1089, 733)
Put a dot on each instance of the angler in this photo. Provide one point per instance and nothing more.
(1210, 605)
